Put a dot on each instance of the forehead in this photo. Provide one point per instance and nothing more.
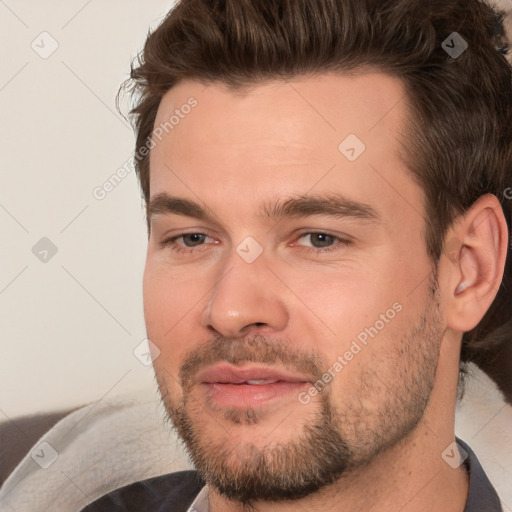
(328, 104)
(331, 132)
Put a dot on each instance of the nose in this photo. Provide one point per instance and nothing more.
(247, 296)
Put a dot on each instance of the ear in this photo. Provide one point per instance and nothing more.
(477, 250)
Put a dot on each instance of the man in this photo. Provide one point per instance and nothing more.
(328, 231)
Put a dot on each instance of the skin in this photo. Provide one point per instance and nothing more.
(393, 403)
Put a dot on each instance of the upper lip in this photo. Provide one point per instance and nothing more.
(229, 374)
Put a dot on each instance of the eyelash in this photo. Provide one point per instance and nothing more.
(171, 243)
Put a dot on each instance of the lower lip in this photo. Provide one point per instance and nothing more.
(252, 395)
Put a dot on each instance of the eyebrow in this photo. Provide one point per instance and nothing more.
(163, 203)
(331, 205)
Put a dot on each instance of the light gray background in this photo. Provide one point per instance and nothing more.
(69, 325)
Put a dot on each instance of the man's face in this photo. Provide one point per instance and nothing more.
(302, 262)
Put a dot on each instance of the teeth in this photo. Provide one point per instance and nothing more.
(261, 381)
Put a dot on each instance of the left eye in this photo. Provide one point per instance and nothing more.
(193, 239)
(319, 240)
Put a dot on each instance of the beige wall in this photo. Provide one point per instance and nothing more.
(68, 325)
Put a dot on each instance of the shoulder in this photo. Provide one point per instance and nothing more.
(481, 493)
(174, 491)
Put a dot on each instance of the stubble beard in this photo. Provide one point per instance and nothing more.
(336, 442)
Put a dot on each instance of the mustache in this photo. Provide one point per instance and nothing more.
(254, 349)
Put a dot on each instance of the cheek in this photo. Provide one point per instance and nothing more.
(171, 309)
(167, 299)
(366, 357)
(345, 302)
(156, 302)
(359, 313)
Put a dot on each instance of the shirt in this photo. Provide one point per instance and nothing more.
(185, 491)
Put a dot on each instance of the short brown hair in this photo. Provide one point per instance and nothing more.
(460, 143)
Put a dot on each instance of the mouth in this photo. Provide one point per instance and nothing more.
(249, 386)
